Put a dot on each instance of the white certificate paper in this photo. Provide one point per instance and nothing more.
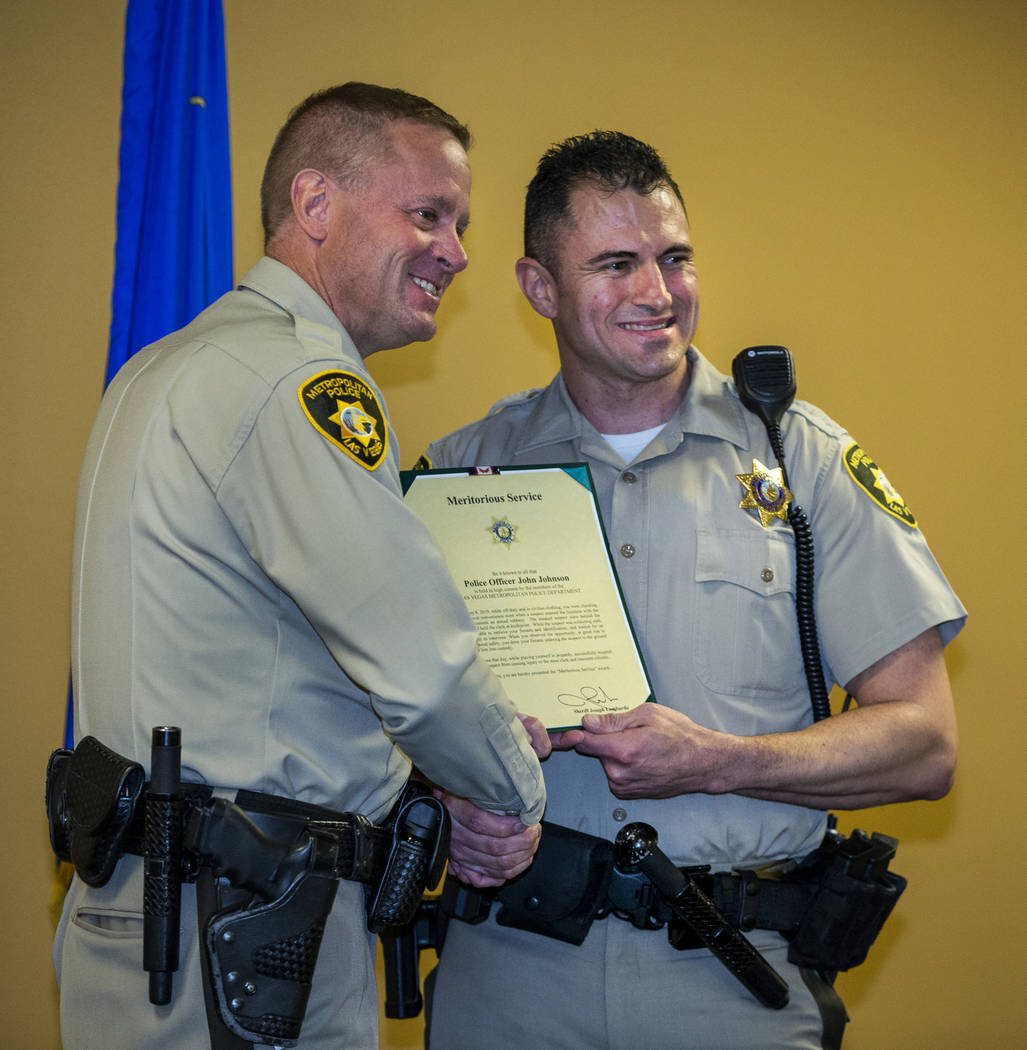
(526, 549)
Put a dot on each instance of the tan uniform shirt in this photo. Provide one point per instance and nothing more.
(710, 590)
(245, 569)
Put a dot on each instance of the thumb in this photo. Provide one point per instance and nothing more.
(612, 723)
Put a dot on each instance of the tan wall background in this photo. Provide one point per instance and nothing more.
(855, 177)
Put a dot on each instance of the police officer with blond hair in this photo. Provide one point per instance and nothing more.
(245, 570)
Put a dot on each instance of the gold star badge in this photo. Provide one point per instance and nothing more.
(765, 492)
(351, 418)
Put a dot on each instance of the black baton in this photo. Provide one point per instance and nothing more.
(162, 882)
(637, 849)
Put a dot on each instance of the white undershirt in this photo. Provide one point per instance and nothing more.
(629, 445)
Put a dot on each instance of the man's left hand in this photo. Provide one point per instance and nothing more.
(487, 849)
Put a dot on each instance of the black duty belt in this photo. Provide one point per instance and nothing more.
(830, 905)
(93, 802)
(574, 880)
(362, 846)
(581, 878)
(751, 901)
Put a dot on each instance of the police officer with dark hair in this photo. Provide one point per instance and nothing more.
(728, 765)
(245, 569)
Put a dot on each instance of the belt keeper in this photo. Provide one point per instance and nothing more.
(749, 900)
(363, 849)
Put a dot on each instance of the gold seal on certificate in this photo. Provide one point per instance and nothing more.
(526, 549)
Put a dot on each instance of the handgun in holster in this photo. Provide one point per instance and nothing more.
(262, 953)
(261, 927)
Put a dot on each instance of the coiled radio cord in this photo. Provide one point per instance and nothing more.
(805, 612)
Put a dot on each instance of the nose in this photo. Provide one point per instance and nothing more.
(651, 288)
(450, 251)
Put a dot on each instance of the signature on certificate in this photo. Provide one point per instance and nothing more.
(588, 694)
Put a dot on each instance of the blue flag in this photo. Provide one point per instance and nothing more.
(173, 253)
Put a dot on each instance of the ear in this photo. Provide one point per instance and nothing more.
(538, 285)
(310, 204)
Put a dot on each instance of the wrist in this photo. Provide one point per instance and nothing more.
(731, 761)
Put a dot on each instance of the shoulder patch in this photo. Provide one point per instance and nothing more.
(344, 409)
(869, 476)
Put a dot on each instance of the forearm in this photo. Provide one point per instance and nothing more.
(898, 744)
(870, 756)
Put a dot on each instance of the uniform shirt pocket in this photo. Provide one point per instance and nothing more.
(745, 634)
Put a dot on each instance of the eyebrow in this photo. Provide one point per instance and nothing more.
(674, 249)
(607, 256)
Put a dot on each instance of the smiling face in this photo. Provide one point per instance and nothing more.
(625, 297)
(394, 243)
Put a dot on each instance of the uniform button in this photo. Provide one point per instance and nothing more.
(767, 576)
(627, 550)
(620, 814)
(629, 477)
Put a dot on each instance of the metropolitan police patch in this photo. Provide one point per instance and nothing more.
(869, 476)
(345, 410)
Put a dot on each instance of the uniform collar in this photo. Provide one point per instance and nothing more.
(711, 408)
(285, 288)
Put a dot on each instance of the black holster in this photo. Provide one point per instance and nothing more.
(417, 856)
(261, 940)
(851, 894)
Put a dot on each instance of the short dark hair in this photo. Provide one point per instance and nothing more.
(609, 160)
(338, 131)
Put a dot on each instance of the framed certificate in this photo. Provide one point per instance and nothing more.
(527, 550)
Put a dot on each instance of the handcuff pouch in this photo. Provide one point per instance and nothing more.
(562, 892)
(91, 798)
(57, 803)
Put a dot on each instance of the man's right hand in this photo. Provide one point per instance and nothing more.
(487, 849)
